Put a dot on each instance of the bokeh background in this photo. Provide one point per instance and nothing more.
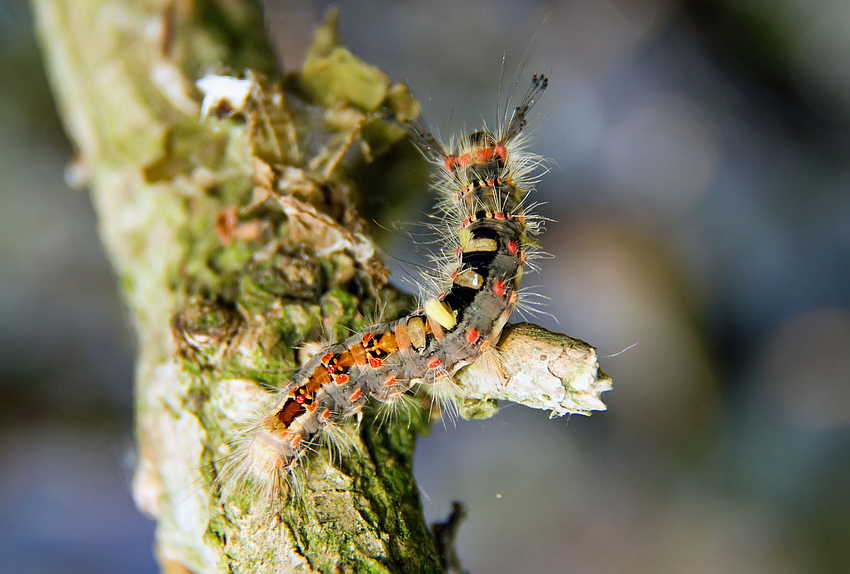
(701, 239)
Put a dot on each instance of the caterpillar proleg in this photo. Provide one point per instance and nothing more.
(482, 180)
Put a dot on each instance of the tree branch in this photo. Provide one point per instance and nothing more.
(235, 240)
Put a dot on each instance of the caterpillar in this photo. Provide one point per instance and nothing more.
(482, 180)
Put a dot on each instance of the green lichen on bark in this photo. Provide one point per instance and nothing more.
(234, 239)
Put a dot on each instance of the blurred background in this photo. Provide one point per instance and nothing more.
(701, 239)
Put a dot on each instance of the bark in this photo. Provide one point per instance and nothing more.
(234, 241)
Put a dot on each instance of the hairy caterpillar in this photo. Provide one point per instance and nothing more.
(482, 179)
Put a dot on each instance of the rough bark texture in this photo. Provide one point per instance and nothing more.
(235, 240)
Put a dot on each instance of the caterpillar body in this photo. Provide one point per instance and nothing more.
(482, 179)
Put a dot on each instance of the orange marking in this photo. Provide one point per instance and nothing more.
(501, 151)
(450, 163)
(435, 328)
(513, 247)
(289, 412)
(375, 362)
(499, 215)
(312, 407)
(464, 160)
(499, 287)
(299, 399)
(319, 377)
(358, 353)
(355, 395)
(325, 415)
(434, 363)
(486, 344)
(467, 221)
(344, 360)
(295, 440)
(327, 358)
(457, 252)
(367, 337)
(388, 343)
(341, 379)
(402, 338)
(471, 336)
(454, 275)
(391, 380)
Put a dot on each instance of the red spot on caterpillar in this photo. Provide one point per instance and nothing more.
(331, 368)
(489, 182)
(454, 275)
(375, 362)
(391, 380)
(499, 287)
(434, 363)
(299, 399)
(355, 395)
(327, 358)
(467, 221)
(457, 252)
(450, 163)
(513, 247)
(499, 215)
(325, 415)
(471, 336)
(501, 151)
(341, 379)
(464, 160)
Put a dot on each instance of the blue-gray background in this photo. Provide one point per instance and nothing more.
(699, 183)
